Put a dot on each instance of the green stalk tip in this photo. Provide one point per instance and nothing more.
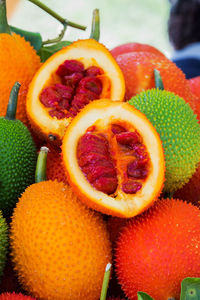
(12, 103)
(105, 282)
(158, 80)
(95, 30)
(40, 172)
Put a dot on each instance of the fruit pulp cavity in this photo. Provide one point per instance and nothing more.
(73, 86)
(114, 159)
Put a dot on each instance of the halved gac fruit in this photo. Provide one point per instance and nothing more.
(67, 81)
(113, 158)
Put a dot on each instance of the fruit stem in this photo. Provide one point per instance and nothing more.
(57, 16)
(40, 172)
(158, 80)
(95, 30)
(12, 103)
(4, 27)
(105, 282)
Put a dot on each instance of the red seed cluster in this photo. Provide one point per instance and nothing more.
(99, 165)
(77, 87)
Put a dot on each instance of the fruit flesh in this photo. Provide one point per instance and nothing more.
(114, 158)
(71, 87)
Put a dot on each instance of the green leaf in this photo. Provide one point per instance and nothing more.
(46, 52)
(144, 296)
(190, 289)
(34, 38)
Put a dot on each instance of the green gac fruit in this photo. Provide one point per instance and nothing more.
(3, 242)
(18, 156)
(179, 131)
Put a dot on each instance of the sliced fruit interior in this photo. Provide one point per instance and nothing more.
(114, 158)
(73, 86)
(69, 80)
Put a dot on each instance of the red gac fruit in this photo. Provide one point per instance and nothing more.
(138, 69)
(158, 249)
(135, 47)
(54, 168)
(190, 192)
(14, 296)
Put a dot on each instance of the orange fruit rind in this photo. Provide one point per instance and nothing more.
(101, 113)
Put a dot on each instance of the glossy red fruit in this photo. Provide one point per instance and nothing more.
(135, 47)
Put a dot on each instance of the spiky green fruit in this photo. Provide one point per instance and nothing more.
(3, 242)
(179, 131)
(18, 156)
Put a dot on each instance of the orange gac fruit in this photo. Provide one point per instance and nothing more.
(114, 158)
(158, 249)
(59, 247)
(67, 81)
(18, 62)
(54, 165)
(135, 47)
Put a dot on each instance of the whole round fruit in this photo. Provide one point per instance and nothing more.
(14, 296)
(158, 249)
(114, 158)
(138, 69)
(179, 131)
(59, 247)
(135, 47)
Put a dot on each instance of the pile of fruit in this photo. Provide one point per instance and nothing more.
(99, 174)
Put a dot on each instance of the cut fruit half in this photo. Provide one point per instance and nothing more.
(113, 158)
(71, 78)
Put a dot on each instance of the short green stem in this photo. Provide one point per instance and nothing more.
(57, 16)
(105, 282)
(158, 80)
(12, 103)
(40, 173)
(95, 30)
(4, 27)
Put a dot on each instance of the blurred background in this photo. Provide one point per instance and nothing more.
(121, 21)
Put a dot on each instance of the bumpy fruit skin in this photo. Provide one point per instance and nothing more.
(3, 242)
(18, 62)
(60, 248)
(135, 47)
(179, 131)
(14, 296)
(195, 85)
(138, 69)
(18, 162)
(158, 249)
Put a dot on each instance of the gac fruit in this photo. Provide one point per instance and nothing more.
(58, 246)
(158, 249)
(14, 296)
(113, 158)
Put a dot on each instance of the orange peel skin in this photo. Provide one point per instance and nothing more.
(100, 114)
(88, 52)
